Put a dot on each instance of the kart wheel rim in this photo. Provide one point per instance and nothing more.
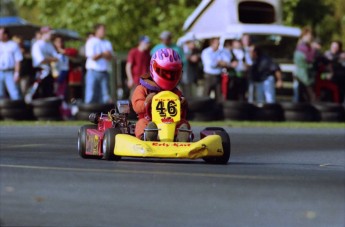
(104, 145)
(79, 143)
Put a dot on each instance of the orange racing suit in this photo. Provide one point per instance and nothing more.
(140, 93)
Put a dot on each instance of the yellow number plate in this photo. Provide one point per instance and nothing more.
(166, 108)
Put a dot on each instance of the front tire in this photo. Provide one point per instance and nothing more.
(226, 147)
(82, 134)
(108, 144)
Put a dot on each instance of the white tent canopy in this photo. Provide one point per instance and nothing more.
(219, 18)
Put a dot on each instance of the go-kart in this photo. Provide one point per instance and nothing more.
(112, 137)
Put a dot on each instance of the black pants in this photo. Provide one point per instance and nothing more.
(237, 88)
(46, 88)
(306, 93)
(213, 83)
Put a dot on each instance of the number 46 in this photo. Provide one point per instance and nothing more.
(171, 108)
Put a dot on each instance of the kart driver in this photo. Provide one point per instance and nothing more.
(165, 74)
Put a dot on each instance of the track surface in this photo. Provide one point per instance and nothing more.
(276, 177)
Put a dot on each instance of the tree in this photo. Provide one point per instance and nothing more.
(126, 20)
(326, 17)
(7, 8)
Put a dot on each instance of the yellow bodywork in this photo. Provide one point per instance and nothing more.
(166, 114)
(127, 145)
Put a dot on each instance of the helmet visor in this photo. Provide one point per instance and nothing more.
(170, 75)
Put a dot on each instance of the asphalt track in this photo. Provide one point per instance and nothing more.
(276, 177)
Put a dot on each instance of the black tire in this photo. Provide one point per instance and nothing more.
(236, 105)
(328, 107)
(82, 140)
(46, 112)
(51, 118)
(309, 116)
(238, 114)
(332, 116)
(51, 102)
(202, 104)
(213, 114)
(16, 114)
(12, 104)
(208, 116)
(238, 110)
(95, 108)
(297, 106)
(226, 143)
(269, 112)
(331, 112)
(235, 114)
(109, 144)
(83, 116)
(300, 112)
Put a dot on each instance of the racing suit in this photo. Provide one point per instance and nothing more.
(139, 103)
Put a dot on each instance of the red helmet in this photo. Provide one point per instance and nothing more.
(166, 68)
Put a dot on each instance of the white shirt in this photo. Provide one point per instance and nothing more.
(9, 54)
(242, 57)
(41, 50)
(210, 59)
(96, 46)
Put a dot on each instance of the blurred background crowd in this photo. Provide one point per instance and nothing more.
(47, 58)
(79, 70)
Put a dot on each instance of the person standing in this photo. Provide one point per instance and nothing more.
(138, 62)
(166, 38)
(190, 74)
(62, 66)
(213, 60)
(43, 55)
(303, 58)
(10, 58)
(264, 74)
(336, 63)
(99, 53)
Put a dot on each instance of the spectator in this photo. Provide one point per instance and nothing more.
(262, 74)
(138, 62)
(340, 79)
(336, 59)
(166, 38)
(10, 58)
(27, 72)
(43, 55)
(228, 73)
(242, 57)
(246, 43)
(213, 61)
(62, 66)
(245, 40)
(82, 48)
(190, 74)
(304, 57)
(99, 53)
(334, 52)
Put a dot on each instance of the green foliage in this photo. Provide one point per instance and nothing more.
(326, 17)
(126, 20)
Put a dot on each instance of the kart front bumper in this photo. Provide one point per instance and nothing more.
(127, 145)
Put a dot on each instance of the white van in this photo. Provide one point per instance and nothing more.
(261, 19)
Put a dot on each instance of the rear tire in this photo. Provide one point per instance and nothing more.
(108, 144)
(226, 147)
(82, 140)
